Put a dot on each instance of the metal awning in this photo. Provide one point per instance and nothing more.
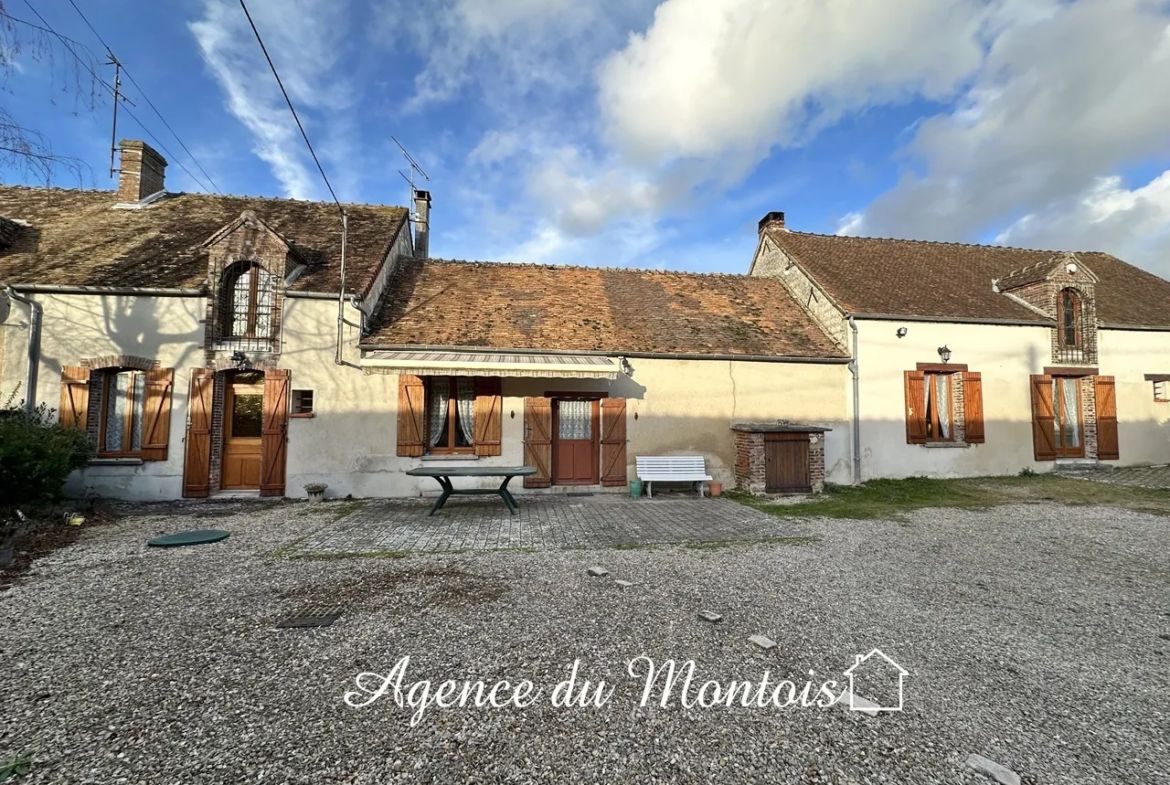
(553, 366)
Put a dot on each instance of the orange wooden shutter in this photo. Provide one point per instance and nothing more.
(412, 400)
(915, 407)
(973, 408)
(489, 404)
(197, 460)
(1107, 445)
(274, 434)
(1043, 419)
(74, 397)
(156, 417)
(613, 441)
(538, 441)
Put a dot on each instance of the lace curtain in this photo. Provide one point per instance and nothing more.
(437, 408)
(465, 403)
(942, 387)
(576, 419)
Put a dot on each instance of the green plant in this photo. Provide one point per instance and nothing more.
(16, 766)
(1027, 472)
(37, 454)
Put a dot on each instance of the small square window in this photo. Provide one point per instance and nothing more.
(1162, 391)
(302, 403)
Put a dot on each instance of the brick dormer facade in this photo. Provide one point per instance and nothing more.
(1062, 289)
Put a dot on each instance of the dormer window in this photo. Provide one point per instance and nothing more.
(1068, 319)
(247, 300)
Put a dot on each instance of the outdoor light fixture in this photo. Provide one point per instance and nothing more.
(627, 369)
(901, 332)
(240, 361)
(944, 353)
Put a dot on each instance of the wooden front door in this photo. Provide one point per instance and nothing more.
(1068, 420)
(576, 436)
(786, 463)
(243, 428)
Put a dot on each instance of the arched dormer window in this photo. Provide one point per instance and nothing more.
(1068, 319)
(247, 300)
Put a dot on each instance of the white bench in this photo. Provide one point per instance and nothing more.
(671, 468)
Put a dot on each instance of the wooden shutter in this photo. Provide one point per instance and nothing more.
(538, 441)
(915, 407)
(1106, 392)
(1043, 419)
(412, 402)
(973, 408)
(74, 397)
(489, 404)
(613, 441)
(197, 460)
(274, 434)
(156, 418)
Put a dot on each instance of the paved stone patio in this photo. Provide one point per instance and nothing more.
(1137, 476)
(602, 520)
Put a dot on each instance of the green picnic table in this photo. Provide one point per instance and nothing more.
(443, 476)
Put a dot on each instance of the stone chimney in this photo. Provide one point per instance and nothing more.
(142, 171)
(422, 224)
(773, 220)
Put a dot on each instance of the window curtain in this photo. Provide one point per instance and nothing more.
(576, 419)
(942, 386)
(437, 410)
(1069, 420)
(465, 402)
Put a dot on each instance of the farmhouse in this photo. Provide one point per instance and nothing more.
(227, 344)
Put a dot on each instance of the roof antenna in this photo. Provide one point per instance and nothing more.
(414, 167)
(117, 97)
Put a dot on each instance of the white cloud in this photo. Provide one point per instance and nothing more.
(1132, 224)
(303, 38)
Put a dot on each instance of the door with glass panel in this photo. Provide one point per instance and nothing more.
(576, 438)
(243, 425)
(1067, 423)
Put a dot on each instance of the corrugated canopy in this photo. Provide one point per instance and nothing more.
(562, 366)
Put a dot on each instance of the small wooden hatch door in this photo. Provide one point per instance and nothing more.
(786, 463)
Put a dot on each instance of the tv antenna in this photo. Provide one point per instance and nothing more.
(117, 97)
(414, 168)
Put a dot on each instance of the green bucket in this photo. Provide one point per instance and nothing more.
(635, 489)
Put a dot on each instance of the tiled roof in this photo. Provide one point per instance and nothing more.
(951, 280)
(76, 238)
(524, 306)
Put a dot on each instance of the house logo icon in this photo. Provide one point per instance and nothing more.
(865, 671)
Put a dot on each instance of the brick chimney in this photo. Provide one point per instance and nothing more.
(422, 224)
(142, 171)
(773, 220)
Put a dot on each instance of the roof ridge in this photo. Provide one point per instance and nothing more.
(113, 194)
(549, 265)
(942, 242)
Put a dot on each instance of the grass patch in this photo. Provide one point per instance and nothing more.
(893, 499)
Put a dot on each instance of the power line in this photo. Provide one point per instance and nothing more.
(65, 42)
(142, 92)
(291, 108)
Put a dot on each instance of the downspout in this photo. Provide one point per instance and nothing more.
(856, 407)
(341, 292)
(34, 348)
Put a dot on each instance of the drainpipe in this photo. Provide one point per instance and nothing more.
(341, 291)
(856, 407)
(34, 348)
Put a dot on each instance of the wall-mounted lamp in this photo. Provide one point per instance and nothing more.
(627, 369)
(901, 333)
(240, 361)
(944, 353)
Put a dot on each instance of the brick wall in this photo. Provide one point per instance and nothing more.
(750, 461)
(1089, 414)
(1044, 295)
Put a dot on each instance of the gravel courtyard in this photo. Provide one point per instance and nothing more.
(1035, 635)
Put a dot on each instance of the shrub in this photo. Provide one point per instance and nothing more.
(37, 455)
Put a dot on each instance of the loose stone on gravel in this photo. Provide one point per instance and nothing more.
(710, 616)
(598, 572)
(1000, 774)
(623, 584)
(763, 642)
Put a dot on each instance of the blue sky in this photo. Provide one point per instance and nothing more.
(656, 133)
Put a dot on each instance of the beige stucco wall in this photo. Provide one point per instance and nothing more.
(75, 327)
(1005, 356)
(1143, 426)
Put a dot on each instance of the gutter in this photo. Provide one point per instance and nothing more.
(775, 358)
(889, 317)
(1136, 327)
(853, 369)
(341, 293)
(34, 348)
(117, 290)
